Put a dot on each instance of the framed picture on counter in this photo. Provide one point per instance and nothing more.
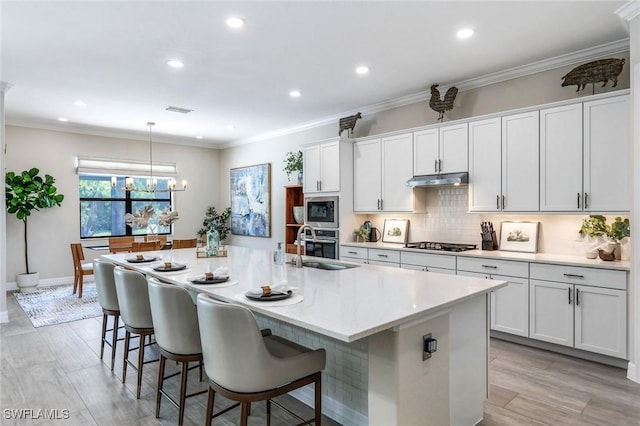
(519, 236)
(395, 231)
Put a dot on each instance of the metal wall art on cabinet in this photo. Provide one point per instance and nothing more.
(442, 105)
(348, 123)
(251, 200)
(519, 236)
(600, 71)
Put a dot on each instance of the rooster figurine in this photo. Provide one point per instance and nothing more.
(442, 105)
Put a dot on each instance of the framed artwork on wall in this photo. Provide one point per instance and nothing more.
(395, 231)
(519, 236)
(251, 200)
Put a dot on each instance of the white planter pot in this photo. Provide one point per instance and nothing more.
(27, 282)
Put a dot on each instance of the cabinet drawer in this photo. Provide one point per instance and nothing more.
(353, 252)
(426, 259)
(606, 278)
(493, 266)
(384, 255)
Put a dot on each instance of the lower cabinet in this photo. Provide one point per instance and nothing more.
(383, 257)
(589, 316)
(354, 254)
(443, 264)
(510, 304)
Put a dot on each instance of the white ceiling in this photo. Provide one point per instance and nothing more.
(112, 55)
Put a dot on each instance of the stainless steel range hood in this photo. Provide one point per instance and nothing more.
(461, 178)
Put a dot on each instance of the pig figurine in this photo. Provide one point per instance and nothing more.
(602, 70)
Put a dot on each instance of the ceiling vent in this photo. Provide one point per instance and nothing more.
(178, 109)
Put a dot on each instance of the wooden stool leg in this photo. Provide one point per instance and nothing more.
(140, 364)
(318, 401)
(163, 360)
(105, 318)
(200, 368)
(183, 391)
(114, 340)
(268, 412)
(210, 400)
(244, 414)
(127, 336)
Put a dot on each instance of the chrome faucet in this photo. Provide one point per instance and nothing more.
(298, 259)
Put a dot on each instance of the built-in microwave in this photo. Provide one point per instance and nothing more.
(321, 212)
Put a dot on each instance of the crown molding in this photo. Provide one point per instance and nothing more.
(629, 10)
(592, 53)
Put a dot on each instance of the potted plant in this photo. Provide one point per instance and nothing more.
(594, 228)
(293, 164)
(24, 193)
(362, 233)
(217, 221)
(618, 230)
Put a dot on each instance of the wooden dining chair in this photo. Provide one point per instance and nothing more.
(80, 269)
(120, 244)
(137, 246)
(186, 243)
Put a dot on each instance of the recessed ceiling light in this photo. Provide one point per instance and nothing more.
(198, 137)
(295, 94)
(234, 22)
(175, 63)
(62, 119)
(79, 103)
(362, 70)
(465, 33)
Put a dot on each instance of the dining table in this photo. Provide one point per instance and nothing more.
(373, 321)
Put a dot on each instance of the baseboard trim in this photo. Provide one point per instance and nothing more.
(589, 356)
(49, 282)
(632, 373)
(331, 408)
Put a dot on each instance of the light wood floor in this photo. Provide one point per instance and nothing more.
(57, 367)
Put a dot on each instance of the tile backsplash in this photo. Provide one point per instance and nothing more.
(447, 219)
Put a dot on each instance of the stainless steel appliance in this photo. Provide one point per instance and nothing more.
(321, 212)
(429, 245)
(325, 245)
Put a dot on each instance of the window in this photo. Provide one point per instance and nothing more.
(102, 207)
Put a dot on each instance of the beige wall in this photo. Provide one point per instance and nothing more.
(52, 230)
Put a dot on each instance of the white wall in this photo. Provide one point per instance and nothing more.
(52, 230)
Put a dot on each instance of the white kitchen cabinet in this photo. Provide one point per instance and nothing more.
(321, 167)
(354, 254)
(384, 257)
(584, 149)
(510, 304)
(520, 162)
(381, 169)
(607, 153)
(561, 158)
(585, 308)
(440, 150)
(485, 174)
(503, 163)
(444, 264)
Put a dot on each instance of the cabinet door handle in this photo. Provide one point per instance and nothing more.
(439, 165)
(381, 204)
(317, 185)
(497, 202)
(435, 166)
(573, 276)
(577, 297)
(383, 255)
(569, 293)
(578, 200)
(586, 200)
(503, 202)
(352, 252)
(426, 269)
(320, 183)
(490, 266)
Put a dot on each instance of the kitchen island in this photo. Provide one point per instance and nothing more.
(383, 311)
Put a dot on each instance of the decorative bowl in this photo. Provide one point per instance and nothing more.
(298, 214)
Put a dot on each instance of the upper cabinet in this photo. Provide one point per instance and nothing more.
(381, 168)
(485, 165)
(321, 169)
(440, 150)
(584, 156)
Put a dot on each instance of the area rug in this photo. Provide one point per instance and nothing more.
(55, 305)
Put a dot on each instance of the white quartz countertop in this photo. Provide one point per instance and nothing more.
(347, 304)
(508, 255)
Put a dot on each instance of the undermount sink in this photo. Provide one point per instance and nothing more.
(328, 266)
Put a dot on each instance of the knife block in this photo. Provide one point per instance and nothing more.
(491, 244)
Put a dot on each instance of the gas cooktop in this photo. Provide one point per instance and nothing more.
(428, 245)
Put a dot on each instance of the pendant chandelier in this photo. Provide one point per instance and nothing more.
(152, 182)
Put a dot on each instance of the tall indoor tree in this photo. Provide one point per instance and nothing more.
(27, 192)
